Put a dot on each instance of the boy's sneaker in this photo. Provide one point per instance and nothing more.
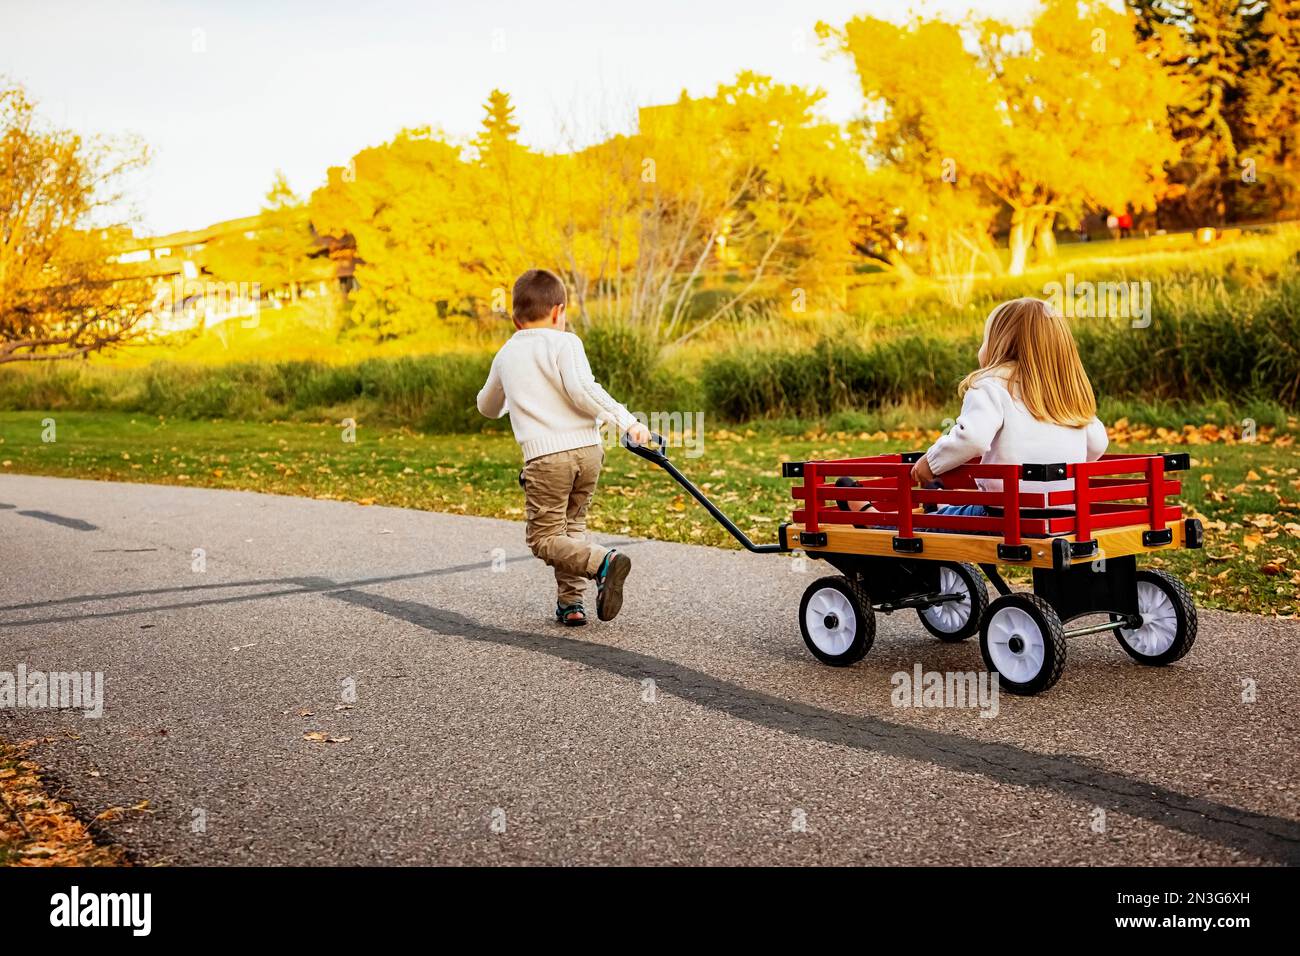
(609, 585)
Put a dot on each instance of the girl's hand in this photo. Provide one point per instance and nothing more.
(921, 473)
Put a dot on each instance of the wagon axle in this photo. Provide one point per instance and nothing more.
(1130, 621)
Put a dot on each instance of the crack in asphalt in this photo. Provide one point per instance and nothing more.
(1276, 839)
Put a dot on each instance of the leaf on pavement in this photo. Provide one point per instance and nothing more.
(316, 736)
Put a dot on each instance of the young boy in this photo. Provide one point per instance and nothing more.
(541, 377)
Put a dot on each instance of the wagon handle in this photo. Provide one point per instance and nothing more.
(656, 453)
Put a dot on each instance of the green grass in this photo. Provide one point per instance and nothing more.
(1247, 493)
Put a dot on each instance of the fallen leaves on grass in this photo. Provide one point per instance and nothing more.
(1122, 432)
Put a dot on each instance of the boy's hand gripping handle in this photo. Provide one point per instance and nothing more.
(656, 451)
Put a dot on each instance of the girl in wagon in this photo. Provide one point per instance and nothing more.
(1030, 400)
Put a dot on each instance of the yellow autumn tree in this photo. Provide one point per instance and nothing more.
(418, 230)
(738, 195)
(63, 292)
(1065, 115)
(935, 209)
(508, 183)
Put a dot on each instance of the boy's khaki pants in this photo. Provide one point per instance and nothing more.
(557, 491)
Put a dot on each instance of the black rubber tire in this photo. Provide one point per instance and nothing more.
(864, 632)
(1053, 633)
(1184, 614)
(979, 593)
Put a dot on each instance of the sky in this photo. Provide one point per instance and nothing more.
(226, 93)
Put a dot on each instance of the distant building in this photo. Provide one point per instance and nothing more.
(188, 296)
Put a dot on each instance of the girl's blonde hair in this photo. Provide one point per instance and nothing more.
(1034, 347)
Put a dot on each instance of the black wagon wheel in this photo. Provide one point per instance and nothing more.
(837, 621)
(1021, 638)
(1168, 628)
(954, 621)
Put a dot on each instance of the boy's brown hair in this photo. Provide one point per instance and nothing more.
(536, 293)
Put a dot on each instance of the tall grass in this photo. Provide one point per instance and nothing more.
(1205, 343)
(433, 393)
(834, 376)
(878, 305)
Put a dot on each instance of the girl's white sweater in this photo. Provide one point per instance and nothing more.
(542, 378)
(996, 428)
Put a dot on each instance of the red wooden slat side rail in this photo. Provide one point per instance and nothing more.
(1171, 514)
(1156, 496)
(1114, 465)
(1011, 492)
(1090, 490)
(811, 477)
(885, 482)
(903, 496)
(1113, 489)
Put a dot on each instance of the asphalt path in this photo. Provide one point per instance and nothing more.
(460, 724)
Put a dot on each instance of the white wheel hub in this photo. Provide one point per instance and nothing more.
(831, 621)
(950, 616)
(1159, 627)
(1016, 644)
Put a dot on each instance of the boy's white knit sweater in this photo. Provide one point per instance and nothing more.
(542, 378)
(997, 429)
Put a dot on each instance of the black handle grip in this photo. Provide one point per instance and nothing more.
(656, 451)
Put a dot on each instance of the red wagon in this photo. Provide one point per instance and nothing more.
(1081, 538)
